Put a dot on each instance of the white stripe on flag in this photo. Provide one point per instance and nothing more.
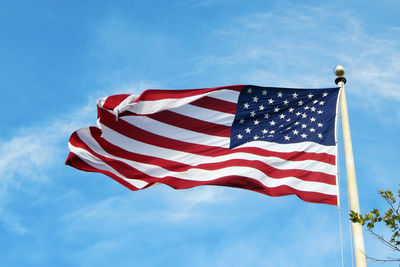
(173, 132)
(205, 114)
(153, 106)
(99, 164)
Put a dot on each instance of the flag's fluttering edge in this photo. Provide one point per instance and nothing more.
(275, 141)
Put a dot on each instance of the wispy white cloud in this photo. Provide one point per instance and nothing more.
(304, 43)
(250, 239)
(140, 222)
(11, 223)
(30, 155)
(33, 149)
(183, 203)
(119, 210)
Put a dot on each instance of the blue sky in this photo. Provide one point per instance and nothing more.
(57, 58)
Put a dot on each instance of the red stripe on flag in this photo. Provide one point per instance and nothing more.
(113, 101)
(215, 104)
(122, 167)
(76, 162)
(192, 124)
(152, 94)
(253, 185)
(291, 156)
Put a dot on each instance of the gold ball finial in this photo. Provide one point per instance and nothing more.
(339, 71)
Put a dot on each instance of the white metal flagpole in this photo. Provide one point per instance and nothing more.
(358, 238)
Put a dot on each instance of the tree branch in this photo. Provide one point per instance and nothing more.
(389, 259)
(384, 241)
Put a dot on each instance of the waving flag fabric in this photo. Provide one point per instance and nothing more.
(275, 141)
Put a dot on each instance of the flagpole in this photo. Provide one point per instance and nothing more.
(358, 238)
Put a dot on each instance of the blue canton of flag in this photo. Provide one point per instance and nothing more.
(284, 115)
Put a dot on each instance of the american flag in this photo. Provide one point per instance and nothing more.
(275, 141)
